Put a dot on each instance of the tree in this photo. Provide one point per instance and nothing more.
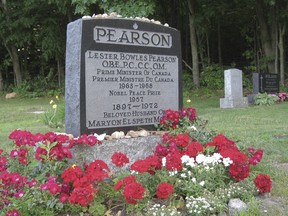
(194, 43)
(11, 29)
(272, 17)
(139, 8)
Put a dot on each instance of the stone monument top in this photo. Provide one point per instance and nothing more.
(121, 74)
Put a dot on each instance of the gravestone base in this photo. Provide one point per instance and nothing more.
(251, 99)
(134, 148)
(234, 103)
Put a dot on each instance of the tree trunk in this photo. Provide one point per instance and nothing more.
(12, 50)
(194, 44)
(265, 35)
(281, 53)
(1, 82)
(208, 49)
(60, 70)
(16, 65)
(219, 42)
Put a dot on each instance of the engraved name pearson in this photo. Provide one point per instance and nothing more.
(132, 37)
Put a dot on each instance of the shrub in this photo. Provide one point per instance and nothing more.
(212, 77)
(264, 99)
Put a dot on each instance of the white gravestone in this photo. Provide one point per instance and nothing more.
(233, 90)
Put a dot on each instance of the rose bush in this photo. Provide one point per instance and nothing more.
(184, 175)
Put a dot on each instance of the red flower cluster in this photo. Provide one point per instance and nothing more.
(59, 144)
(239, 171)
(173, 161)
(119, 159)
(22, 137)
(149, 164)
(263, 183)
(132, 190)
(180, 143)
(3, 163)
(255, 157)
(12, 185)
(190, 113)
(72, 174)
(172, 118)
(86, 140)
(21, 154)
(51, 185)
(220, 142)
(194, 148)
(13, 212)
(82, 195)
(164, 190)
(83, 183)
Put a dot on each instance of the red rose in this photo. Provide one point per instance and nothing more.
(263, 183)
(164, 190)
(119, 159)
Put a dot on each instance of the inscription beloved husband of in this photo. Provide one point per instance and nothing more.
(121, 74)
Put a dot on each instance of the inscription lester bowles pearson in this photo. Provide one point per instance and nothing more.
(128, 76)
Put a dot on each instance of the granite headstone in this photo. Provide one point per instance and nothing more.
(121, 74)
(233, 90)
(264, 82)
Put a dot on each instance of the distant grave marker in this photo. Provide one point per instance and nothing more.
(264, 82)
(233, 90)
(120, 74)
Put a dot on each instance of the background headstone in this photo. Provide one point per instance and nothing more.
(120, 74)
(264, 82)
(233, 90)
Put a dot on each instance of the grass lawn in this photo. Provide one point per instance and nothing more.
(18, 114)
(259, 127)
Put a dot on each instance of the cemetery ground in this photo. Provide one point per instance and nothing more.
(262, 127)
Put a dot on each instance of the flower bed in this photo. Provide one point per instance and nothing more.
(191, 172)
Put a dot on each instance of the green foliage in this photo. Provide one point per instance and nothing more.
(212, 77)
(264, 99)
(55, 116)
(127, 8)
(39, 86)
(187, 81)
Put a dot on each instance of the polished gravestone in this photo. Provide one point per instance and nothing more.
(121, 74)
(264, 82)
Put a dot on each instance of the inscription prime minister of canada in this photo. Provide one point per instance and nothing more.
(129, 74)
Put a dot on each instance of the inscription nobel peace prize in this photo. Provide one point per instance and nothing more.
(131, 88)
